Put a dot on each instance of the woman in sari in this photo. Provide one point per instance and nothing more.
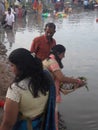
(54, 64)
(30, 100)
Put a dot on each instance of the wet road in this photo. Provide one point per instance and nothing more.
(79, 33)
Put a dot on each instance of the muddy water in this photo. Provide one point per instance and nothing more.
(79, 33)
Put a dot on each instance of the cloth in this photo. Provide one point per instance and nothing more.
(41, 47)
(35, 5)
(40, 7)
(6, 5)
(10, 19)
(45, 122)
(23, 124)
(85, 2)
(49, 116)
(52, 65)
(24, 97)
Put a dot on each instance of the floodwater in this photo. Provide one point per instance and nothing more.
(79, 34)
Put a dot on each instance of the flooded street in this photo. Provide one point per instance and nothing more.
(78, 32)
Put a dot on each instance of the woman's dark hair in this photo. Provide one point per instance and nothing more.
(56, 50)
(30, 66)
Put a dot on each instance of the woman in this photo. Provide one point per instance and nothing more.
(28, 95)
(54, 65)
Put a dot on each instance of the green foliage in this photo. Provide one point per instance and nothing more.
(84, 79)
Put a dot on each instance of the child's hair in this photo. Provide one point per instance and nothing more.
(29, 66)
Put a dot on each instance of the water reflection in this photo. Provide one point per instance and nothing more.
(20, 24)
(2, 35)
(62, 124)
(10, 35)
(35, 22)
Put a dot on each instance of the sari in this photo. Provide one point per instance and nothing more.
(47, 120)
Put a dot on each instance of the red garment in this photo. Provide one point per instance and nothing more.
(1, 103)
(41, 46)
(35, 5)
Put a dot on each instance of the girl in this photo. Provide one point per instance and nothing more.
(28, 95)
(54, 64)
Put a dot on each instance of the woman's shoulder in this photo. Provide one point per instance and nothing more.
(51, 64)
(49, 61)
(23, 84)
(14, 92)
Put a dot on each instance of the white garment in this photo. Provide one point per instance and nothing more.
(12, 10)
(28, 105)
(10, 18)
(85, 2)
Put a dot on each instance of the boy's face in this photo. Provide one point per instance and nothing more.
(49, 32)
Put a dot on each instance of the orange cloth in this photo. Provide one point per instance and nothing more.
(40, 8)
(41, 46)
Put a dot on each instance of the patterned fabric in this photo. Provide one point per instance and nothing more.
(53, 66)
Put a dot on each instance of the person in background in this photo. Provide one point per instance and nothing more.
(29, 94)
(54, 64)
(9, 19)
(86, 4)
(11, 37)
(12, 10)
(24, 11)
(2, 10)
(6, 4)
(42, 45)
(40, 7)
(35, 6)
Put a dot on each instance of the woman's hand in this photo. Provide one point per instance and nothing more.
(80, 82)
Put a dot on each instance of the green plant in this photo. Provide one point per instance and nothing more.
(84, 79)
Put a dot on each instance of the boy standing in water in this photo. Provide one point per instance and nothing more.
(9, 19)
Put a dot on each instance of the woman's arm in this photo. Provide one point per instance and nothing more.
(64, 79)
(10, 115)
